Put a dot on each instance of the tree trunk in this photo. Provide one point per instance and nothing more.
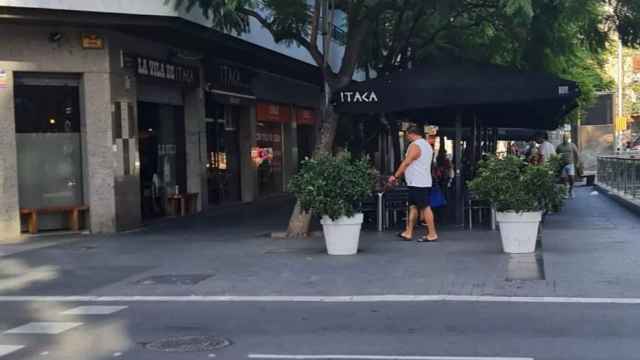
(394, 128)
(300, 220)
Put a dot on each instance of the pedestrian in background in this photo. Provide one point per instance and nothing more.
(547, 150)
(568, 152)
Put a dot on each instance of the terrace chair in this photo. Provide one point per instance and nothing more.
(395, 202)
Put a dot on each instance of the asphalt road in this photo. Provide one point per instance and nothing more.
(414, 330)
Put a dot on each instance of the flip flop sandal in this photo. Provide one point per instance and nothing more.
(404, 238)
(425, 240)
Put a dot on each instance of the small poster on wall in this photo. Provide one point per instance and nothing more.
(4, 79)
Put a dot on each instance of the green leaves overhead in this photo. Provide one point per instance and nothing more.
(564, 37)
(627, 21)
(226, 15)
(518, 8)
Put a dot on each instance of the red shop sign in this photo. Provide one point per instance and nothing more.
(306, 116)
(269, 112)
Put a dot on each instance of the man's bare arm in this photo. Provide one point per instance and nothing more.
(412, 155)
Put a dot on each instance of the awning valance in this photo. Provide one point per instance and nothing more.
(496, 95)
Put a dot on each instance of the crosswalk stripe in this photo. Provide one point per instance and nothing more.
(94, 310)
(53, 328)
(9, 349)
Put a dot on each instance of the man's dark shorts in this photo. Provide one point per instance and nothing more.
(420, 197)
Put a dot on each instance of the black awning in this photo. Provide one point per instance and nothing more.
(286, 91)
(498, 96)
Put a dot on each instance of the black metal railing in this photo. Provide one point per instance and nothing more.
(620, 173)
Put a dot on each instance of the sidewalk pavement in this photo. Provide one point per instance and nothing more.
(590, 249)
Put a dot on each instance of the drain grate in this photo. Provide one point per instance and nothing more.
(188, 344)
(190, 279)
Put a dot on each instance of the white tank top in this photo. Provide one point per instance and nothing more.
(418, 174)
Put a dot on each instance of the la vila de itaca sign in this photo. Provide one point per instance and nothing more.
(160, 70)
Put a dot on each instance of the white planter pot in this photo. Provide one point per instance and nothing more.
(519, 231)
(342, 235)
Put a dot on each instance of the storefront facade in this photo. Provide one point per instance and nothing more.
(115, 122)
(256, 135)
(74, 110)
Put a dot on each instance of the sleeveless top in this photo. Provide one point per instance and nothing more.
(418, 174)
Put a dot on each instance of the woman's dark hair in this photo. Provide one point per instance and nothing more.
(415, 130)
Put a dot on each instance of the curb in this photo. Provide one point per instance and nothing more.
(631, 205)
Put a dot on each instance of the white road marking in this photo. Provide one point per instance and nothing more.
(44, 353)
(94, 310)
(9, 349)
(44, 328)
(325, 299)
(379, 357)
(118, 354)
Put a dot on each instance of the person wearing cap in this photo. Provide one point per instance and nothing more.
(416, 169)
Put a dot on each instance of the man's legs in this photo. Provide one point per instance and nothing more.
(427, 215)
(411, 222)
(571, 175)
(572, 181)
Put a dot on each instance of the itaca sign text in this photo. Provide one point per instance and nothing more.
(356, 97)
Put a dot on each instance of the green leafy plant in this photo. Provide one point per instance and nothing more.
(556, 164)
(513, 185)
(333, 186)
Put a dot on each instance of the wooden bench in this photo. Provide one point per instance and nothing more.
(74, 216)
(185, 203)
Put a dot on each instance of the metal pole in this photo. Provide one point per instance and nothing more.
(380, 212)
(616, 140)
(458, 172)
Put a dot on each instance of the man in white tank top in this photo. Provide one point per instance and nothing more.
(416, 169)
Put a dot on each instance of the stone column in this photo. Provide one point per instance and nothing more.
(98, 147)
(194, 111)
(9, 204)
(248, 169)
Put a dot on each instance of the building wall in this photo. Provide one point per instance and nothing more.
(258, 34)
(127, 89)
(27, 49)
(111, 192)
(9, 215)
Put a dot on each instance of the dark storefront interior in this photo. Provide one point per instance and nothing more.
(223, 153)
(162, 153)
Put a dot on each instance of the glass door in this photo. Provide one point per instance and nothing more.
(49, 147)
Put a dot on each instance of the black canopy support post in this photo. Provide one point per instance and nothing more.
(395, 155)
(458, 171)
(476, 140)
(388, 151)
(380, 156)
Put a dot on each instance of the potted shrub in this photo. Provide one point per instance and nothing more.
(333, 187)
(521, 193)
